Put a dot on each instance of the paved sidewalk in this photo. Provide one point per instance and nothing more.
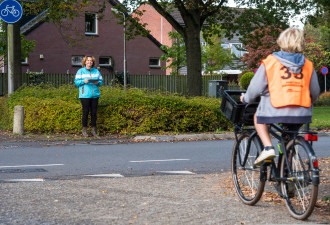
(167, 199)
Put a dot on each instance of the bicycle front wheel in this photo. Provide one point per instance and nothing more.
(4, 12)
(299, 191)
(246, 178)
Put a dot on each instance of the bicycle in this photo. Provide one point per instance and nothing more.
(294, 170)
(10, 10)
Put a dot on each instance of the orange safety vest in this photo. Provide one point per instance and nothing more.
(285, 87)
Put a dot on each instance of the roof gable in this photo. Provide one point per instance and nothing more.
(30, 22)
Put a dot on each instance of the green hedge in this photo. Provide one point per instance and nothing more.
(323, 100)
(134, 111)
(5, 120)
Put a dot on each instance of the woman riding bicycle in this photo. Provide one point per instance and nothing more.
(287, 85)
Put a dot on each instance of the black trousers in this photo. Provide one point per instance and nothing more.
(89, 104)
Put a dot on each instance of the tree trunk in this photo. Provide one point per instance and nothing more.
(194, 61)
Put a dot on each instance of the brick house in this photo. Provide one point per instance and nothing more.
(101, 38)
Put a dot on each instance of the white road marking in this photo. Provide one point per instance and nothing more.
(177, 172)
(25, 180)
(18, 166)
(105, 175)
(160, 160)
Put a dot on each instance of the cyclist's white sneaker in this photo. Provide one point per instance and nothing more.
(265, 154)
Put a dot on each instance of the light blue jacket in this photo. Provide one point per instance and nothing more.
(89, 90)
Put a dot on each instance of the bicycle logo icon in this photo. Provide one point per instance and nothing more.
(11, 10)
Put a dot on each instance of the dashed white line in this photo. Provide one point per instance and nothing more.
(159, 160)
(177, 172)
(105, 175)
(25, 180)
(18, 166)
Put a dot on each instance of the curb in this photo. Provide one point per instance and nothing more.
(182, 137)
(155, 138)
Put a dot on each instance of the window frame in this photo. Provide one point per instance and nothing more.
(76, 64)
(225, 45)
(106, 65)
(154, 66)
(95, 22)
(25, 61)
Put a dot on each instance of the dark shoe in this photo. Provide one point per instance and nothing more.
(84, 132)
(94, 132)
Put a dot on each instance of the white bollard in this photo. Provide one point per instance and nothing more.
(18, 120)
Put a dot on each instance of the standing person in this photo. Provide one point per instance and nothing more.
(287, 84)
(89, 79)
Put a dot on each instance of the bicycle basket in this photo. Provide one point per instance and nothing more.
(235, 111)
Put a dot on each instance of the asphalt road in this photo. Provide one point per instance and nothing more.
(64, 161)
(131, 159)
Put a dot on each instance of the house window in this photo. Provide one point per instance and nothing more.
(236, 49)
(76, 60)
(90, 23)
(24, 61)
(154, 62)
(105, 61)
(225, 46)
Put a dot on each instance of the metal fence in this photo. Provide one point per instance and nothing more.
(173, 84)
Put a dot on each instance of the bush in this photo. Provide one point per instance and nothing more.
(323, 100)
(246, 79)
(4, 112)
(35, 78)
(134, 111)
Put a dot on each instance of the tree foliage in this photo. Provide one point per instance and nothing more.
(317, 54)
(27, 46)
(57, 10)
(318, 24)
(175, 55)
(321, 15)
(214, 56)
(259, 45)
(317, 51)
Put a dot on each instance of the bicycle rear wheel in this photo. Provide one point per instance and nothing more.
(246, 178)
(301, 193)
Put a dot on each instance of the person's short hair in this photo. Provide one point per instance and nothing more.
(292, 40)
(83, 62)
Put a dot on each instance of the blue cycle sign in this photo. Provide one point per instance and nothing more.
(11, 11)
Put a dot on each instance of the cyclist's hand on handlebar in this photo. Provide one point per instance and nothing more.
(242, 98)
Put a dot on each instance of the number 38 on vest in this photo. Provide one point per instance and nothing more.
(285, 87)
